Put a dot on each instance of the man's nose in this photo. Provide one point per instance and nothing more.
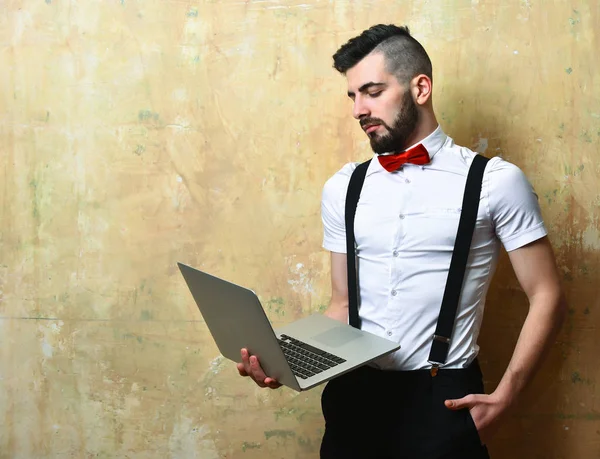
(360, 109)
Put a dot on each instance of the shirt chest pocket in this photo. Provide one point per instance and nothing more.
(432, 229)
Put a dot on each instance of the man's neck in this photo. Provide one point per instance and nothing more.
(425, 127)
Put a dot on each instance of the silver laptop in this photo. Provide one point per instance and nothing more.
(301, 355)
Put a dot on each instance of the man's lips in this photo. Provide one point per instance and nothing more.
(370, 128)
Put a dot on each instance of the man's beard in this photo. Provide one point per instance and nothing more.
(398, 134)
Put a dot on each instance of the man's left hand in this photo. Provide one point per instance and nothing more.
(486, 411)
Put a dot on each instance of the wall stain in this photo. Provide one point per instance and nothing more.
(279, 433)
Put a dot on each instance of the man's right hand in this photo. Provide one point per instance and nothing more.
(251, 367)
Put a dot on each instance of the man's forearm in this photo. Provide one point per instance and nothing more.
(540, 328)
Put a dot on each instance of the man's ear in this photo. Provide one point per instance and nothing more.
(421, 87)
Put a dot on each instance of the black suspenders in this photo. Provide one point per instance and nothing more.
(466, 225)
(356, 183)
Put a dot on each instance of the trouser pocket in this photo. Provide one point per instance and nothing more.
(454, 428)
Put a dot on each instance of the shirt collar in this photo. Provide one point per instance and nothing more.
(433, 143)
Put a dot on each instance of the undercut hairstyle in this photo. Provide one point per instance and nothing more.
(404, 56)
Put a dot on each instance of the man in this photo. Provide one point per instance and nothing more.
(405, 229)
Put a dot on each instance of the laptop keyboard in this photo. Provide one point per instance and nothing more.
(306, 360)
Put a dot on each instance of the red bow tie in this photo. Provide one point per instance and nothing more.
(417, 155)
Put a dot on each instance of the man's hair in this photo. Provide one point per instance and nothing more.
(404, 56)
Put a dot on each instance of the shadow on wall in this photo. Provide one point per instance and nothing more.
(532, 429)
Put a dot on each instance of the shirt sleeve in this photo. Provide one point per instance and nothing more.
(513, 205)
(333, 203)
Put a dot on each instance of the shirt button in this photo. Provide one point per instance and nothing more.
(389, 333)
(394, 292)
(401, 217)
(395, 253)
(407, 181)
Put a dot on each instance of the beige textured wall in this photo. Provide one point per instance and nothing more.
(134, 134)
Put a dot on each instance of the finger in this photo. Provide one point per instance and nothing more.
(241, 370)
(249, 370)
(458, 404)
(258, 373)
(255, 372)
(246, 361)
(272, 383)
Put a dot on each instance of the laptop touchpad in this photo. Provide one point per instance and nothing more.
(337, 336)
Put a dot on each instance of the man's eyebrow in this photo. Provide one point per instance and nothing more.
(365, 87)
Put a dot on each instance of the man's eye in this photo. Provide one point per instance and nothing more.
(375, 94)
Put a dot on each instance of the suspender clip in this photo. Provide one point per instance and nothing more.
(435, 366)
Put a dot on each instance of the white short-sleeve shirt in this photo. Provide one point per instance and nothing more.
(405, 228)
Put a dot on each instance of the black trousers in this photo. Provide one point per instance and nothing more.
(375, 414)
